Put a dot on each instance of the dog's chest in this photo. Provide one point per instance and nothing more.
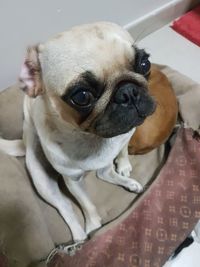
(84, 152)
(68, 148)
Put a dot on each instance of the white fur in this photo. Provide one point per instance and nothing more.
(105, 49)
(71, 140)
(123, 165)
(60, 148)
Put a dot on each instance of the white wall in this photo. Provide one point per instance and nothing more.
(25, 22)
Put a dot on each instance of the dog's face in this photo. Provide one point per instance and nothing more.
(94, 78)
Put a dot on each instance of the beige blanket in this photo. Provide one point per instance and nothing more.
(29, 227)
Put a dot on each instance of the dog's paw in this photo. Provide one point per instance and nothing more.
(93, 224)
(123, 166)
(133, 186)
(79, 236)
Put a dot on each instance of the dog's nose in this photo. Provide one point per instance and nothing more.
(127, 93)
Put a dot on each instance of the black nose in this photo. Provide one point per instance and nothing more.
(127, 93)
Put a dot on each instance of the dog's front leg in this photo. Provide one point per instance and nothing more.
(110, 175)
(76, 187)
(122, 163)
(47, 187)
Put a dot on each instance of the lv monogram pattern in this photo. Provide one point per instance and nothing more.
(164, 217)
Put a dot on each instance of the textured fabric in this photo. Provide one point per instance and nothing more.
(29, 227)
(189, 25)
(188, 96)
(11, 112)
(160, 222)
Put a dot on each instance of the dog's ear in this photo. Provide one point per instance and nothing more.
(31, 76)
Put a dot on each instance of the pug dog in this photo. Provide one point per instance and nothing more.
(86, 92)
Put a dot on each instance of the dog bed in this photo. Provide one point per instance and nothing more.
(138, 231)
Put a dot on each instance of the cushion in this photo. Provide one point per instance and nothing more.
(30, 227)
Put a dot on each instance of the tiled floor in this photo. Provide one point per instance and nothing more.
(169, 48)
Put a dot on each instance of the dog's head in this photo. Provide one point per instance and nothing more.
(94, 78)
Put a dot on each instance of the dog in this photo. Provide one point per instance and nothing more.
(86, 91)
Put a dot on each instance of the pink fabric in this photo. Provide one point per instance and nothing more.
(189, 25)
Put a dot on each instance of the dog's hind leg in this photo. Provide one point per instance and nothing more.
(47, 187)
(92, 219)
(110, 175)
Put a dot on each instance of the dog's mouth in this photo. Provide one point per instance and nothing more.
(109, 130)
(117, 120)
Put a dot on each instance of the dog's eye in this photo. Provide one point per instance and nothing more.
(145, 66)
(82, 98)
(142, 63)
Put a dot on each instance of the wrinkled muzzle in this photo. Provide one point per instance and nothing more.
(129, 106)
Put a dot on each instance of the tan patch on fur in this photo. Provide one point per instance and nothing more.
(98, 109)
(66, 112)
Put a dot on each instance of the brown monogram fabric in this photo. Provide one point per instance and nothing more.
(163, 218)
